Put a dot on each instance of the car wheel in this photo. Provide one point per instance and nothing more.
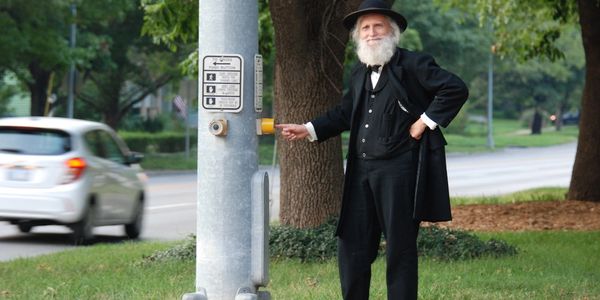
(24, 228)
(83, 231)
(133, 229)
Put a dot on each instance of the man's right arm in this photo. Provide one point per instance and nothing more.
(292, 132)
(312, 134)
(334, 121)
(330, 124)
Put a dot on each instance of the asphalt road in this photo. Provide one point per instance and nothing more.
(171, 209)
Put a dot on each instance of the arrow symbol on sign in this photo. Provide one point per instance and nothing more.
(218, 63)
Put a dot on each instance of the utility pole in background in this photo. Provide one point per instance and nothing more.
(490, 103)
(71, 83)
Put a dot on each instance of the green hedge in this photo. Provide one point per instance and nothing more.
(160, 142)
(320, 244)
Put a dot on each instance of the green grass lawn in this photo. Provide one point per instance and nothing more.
(536, 194)
(550, 265)
(508, 133)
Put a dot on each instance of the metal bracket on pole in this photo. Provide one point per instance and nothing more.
(243, 294)
(259, 268)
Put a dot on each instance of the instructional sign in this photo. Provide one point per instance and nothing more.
(222, 82)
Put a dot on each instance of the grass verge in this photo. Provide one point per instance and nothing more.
(550, 265)
(537, 194)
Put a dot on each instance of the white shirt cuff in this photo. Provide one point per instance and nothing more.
(312, 135)
(429, 122)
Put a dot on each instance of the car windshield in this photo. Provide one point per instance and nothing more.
(34, 141)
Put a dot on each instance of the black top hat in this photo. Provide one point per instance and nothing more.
(375, 6)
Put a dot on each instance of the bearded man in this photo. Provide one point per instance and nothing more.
(396, 168)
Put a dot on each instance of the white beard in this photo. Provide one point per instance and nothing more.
(378, 54)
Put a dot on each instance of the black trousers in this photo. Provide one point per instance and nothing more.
(380, 201)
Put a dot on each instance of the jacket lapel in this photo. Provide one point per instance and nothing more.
(396, 73)
(359, 81)
(396, 66)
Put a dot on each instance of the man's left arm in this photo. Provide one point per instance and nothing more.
(450, 92)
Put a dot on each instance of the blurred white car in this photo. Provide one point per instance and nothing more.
(68, 172)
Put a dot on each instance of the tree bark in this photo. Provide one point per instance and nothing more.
(536, 124)
(111, 113)
(585, 181)
(309, 41)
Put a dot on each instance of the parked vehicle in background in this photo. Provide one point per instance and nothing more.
(69, 172)
(568, 118)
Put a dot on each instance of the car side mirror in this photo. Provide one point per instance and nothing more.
(134, 158)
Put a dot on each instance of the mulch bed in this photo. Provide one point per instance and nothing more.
(527, 216)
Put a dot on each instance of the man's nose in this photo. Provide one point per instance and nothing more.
(371, 32)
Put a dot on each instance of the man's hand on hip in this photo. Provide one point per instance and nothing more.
(417, 129)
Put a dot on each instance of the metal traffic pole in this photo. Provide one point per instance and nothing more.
(232, 207)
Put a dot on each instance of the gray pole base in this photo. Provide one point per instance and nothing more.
(199, 295)
(262, 295)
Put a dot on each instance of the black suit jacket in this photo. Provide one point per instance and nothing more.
(421, 86)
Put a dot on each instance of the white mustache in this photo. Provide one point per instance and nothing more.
(378, 53)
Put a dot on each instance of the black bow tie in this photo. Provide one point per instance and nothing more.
(374, 68)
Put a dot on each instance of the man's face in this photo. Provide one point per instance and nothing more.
(373, 27)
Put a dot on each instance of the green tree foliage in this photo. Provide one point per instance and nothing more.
(174, 23)
(127, 67)
(460, 44)
(33, 44)
(5, 93)
(526, 28)
(530, 28)
(108, 53)
(553, 87)
(453, 37)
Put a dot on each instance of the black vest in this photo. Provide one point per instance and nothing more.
(383, 124)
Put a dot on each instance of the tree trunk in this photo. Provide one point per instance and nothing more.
(38, 88)
(585, 181)
(309, 42)
(111, 113)
(536, 124)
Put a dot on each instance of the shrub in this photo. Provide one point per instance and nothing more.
(310, 244)
(185, 250)
(139, 123)
(319, 244)
(161, 142)
(449, 244)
